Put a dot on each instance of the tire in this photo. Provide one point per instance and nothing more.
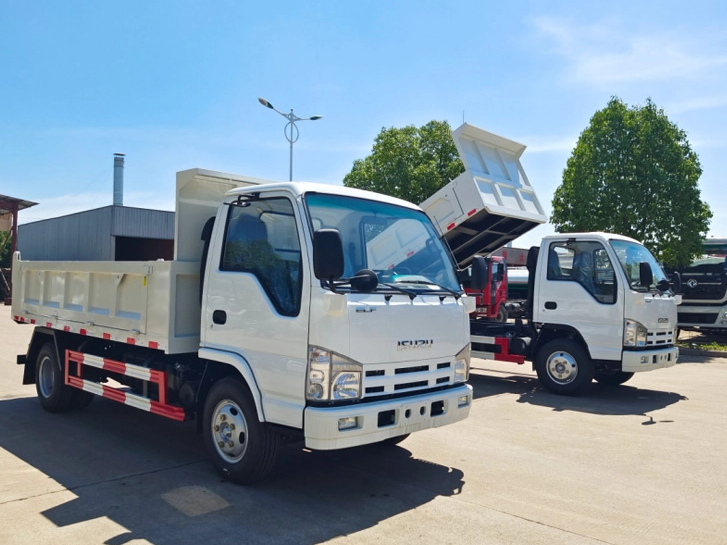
(54, 395)
(613, 379)
(242, 448)
(501, 314)
(564, 367)
(81, 399)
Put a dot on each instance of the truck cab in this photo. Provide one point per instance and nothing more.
(321, 348)
(607, 293)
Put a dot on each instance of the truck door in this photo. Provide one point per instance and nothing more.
(579, 289)
(253, 300)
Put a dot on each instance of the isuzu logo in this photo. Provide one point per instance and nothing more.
(663, 320)
(418, 344)
(692, 283)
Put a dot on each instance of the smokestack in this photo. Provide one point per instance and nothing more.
(118, 179)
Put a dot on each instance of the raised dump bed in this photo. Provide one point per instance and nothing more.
(491, 203)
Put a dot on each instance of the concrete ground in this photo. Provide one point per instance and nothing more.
(642, 463)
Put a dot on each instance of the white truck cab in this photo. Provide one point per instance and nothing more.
(604, 288)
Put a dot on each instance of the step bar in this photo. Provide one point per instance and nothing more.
(160, 406)
(500, 349)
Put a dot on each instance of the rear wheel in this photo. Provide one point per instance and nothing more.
(54, 395)
(564, 367)
(613, 379)
(242, 448)
(81, 399)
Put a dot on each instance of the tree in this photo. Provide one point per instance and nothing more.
(4, 250)
(410, 163)
(633, 172)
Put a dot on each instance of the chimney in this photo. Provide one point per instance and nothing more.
(118, 179)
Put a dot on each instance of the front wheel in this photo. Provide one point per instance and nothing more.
(502, 314)
(613, 379)
(564, 367)
(242, 448)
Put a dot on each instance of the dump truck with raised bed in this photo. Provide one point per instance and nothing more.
(598, 304)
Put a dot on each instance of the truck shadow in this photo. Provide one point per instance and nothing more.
(597, 399)
(151, 476)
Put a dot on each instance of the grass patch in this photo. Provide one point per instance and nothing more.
(701, 345)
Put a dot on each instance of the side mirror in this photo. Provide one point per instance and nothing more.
(478, 273)
(327, 254)
(365, 281)
(663, 285)
(675, 279)
(646, 277)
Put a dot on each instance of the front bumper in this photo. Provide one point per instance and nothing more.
(377, 421)
(698, 317)
(648, 360)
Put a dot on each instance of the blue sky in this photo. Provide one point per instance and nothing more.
(174, 85)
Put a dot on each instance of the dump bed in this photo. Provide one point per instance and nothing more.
(154, 304)
(488, 205)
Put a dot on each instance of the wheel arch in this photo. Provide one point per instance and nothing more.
(42, 335)
(222, 364)
(548, 332)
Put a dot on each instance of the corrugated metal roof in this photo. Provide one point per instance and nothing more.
(10, 203)
(142, 223)
(89, 235)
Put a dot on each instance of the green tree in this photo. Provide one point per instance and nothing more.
(633, 172)
(410, 163)
(4, 252)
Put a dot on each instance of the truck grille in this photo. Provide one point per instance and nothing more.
(396, 378)
(660, 338)
(697, 318)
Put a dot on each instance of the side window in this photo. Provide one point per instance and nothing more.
(586, 263)
(262, 239)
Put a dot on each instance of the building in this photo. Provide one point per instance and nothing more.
(110, 233)
(6, 220)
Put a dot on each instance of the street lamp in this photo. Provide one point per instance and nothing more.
(291, 131)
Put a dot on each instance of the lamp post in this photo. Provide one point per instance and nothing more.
(291, 130)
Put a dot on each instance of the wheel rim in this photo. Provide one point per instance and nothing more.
(229, 431)
(562, 367)
(46, 377)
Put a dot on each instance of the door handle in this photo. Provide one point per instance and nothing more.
(219, 317)
(551, 305)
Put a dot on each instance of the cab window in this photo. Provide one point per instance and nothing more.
(261, 238)
(585, 263)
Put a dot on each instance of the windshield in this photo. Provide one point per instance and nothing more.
(630, 254)
(399, 244)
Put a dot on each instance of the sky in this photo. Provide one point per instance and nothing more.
(175, 85)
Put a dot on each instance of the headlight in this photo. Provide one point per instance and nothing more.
(634, 333)
(462, 365)
(331, 377)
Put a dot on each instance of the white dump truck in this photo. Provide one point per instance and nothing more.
(271, 323)
(598, 305)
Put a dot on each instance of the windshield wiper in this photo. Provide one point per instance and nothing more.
(453, 293)
(410, 293)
